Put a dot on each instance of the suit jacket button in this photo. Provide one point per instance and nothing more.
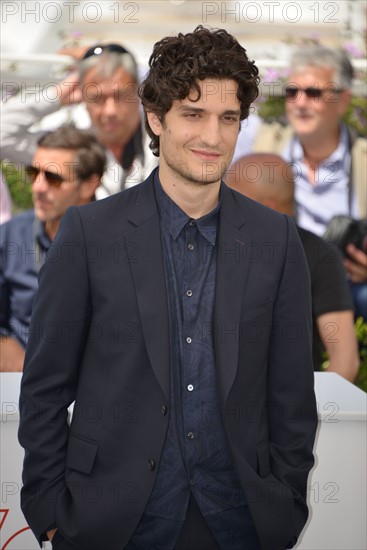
(164, 409)
(151, 464)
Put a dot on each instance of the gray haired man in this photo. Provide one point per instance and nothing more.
(100, 93)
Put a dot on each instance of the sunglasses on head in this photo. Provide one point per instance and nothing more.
(100, 48)
(53, 178)
(291, 92)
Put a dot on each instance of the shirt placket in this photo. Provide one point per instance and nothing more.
(190, 379)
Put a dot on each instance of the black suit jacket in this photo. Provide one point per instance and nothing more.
(99, 337)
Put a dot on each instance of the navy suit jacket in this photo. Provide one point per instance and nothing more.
(99, 337)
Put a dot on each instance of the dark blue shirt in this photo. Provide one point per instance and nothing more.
(23, 247)
(196, 457)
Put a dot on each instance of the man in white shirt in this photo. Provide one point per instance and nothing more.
(106, 83)
(328, 161)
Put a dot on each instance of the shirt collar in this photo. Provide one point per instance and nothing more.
(174, 219)
(338, 155)
(41, 235)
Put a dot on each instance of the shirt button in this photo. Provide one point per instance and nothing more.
(190, 246)
(164, 409)
(188, 340)
(190, 435)
(151, 464)
(189, 293)
(192, 223)
(190, 387)
(192, 482)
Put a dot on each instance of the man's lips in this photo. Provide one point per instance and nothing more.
(206, 155)
(303, 114)
(42, 203)
(110, 124)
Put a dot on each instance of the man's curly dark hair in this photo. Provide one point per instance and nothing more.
(179, 62)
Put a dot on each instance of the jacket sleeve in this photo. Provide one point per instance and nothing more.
(292, 414)
(58, 332)
(5, 329)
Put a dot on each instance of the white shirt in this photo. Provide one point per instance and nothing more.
(329, 196)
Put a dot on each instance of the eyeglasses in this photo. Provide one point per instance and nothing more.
(100, 48)
(291, 92)
(53, 178)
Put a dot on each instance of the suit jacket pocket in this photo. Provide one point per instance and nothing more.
(81, 454)
(263, 459)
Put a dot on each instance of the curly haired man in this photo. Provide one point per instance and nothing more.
(190, 359)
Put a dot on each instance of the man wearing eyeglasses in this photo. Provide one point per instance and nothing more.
(329, 160)
(66, 170)
(102, 94)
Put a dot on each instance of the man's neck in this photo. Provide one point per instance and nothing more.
(117, 150)
(194, 199)
(316, 151)
(51, 228)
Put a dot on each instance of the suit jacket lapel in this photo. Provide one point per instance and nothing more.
(232, 270)
(149, 279)
(150, 285)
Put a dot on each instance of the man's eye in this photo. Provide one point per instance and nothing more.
(95, 99)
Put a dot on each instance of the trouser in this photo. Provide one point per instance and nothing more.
(195, 533)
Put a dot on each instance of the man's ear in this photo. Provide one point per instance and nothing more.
(344, 100)
(154, 123)
(88, 188)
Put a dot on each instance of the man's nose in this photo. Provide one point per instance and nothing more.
(109, 106)
(40, 184)
(211, 132)
(302, 99)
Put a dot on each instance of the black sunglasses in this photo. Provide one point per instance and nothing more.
(291, 92)
(53, 178)
(100, 48)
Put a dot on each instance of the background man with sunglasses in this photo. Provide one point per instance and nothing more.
(102, 94)
(66, 170)
(329, 161)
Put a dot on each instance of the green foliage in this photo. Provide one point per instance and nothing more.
(356, 115)
(273, 109)
(360, 328)
(361, 331)
(19, 188)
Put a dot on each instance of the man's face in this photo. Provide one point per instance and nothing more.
(113, 105)
(197, 138)
(51, 202)
(315, 117)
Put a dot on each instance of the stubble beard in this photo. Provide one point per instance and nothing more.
(211, 172)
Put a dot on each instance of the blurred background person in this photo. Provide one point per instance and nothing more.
(5, 200)
(328, 159)
(106, 82)
(66, 170)
(268, 179)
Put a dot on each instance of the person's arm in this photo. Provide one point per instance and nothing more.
(27, 108)
(51, 534)
(292, 414)
(11, 352)
(333, 308)
(336, 330)
(5, 201)
(357, 265)
(11, 355)
(50, 374)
